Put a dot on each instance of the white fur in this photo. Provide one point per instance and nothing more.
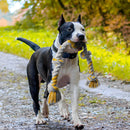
(75, 94)
(39, 118)
(56, 44)
(63, 108)
(78, 30)
(70, 68)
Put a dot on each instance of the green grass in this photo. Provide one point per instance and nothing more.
(104, 61)
(8, 43)
(107, 62)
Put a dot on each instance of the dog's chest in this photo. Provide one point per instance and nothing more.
(66, 72)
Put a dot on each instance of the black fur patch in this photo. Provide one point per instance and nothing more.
(65, 32)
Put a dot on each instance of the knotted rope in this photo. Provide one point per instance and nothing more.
(55, 95)
(93, 81)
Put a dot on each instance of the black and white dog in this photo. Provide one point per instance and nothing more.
(40, 68)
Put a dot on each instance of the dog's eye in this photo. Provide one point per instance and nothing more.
(83, 29)
(69, 29)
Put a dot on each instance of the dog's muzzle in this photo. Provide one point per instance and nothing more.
(77, 45)
(80, 36)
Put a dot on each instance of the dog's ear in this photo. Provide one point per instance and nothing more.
(79, 18)
(61, 21)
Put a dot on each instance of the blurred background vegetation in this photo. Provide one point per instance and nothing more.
(107, 25)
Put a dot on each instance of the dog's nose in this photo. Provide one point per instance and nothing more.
(81, 36)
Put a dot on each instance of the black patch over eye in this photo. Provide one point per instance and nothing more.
(69, 29)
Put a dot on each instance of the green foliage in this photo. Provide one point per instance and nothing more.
(109, 63)
(4, 6)
(108, 54)
(112, 16)
(104, 61)
(108, 13)
(10, 45)
(110, 41)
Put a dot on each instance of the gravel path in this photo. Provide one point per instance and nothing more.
(104, 108)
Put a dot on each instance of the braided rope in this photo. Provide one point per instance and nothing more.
(54, 95)
(93, 81)
(58, 62)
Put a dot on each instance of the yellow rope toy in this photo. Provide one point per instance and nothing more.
(93, 81)
(55, 95)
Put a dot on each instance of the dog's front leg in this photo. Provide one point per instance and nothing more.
(63, 108)
(75, 116)
(75, 98)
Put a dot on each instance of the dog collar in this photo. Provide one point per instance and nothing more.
(69, 55)
(65, 54)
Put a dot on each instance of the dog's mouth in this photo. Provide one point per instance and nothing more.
(79, 45)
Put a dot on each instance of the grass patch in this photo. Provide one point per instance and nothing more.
(8, 43)
(104, 61)
(107, 62)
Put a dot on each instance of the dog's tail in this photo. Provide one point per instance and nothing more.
(34, 46)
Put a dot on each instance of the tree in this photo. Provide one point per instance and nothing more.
(4, 6)
(111, 15)
(94, 12)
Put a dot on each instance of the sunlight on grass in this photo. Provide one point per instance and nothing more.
(108, 63)
(10, 45)
(104, 61)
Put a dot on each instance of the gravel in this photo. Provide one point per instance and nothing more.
(104, 108)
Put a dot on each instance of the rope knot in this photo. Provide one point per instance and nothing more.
(55, 95)
(93, 81)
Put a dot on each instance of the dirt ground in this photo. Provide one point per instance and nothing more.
(98, 109)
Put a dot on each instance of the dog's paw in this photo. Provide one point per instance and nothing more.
(63, 108)
(64, 113)
(78, 125)
(39, 119)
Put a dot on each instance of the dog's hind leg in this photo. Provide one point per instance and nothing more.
(47, 78)
(34, 89)
(63, 108)
(45, 110)
(44, 105)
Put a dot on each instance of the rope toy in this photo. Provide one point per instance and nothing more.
(55, 95)
(93, 81)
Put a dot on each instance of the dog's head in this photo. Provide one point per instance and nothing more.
(73, 31)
